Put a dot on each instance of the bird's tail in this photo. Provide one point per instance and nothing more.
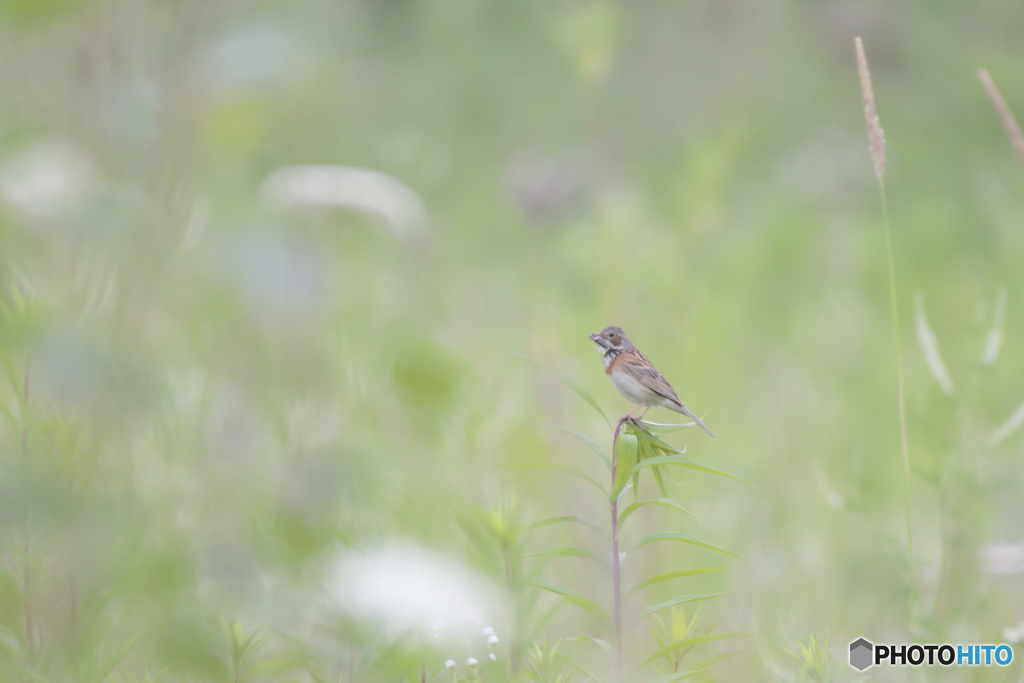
(686, 411)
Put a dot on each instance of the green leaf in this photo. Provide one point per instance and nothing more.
(678, 645)
(570, 518)
(681, 676)
(685, 538)
(257, 646)
(115, 659)
(17, 386)
(554, 467)
(265, 666)
(569, 383)
(585, 439)
(684, 462)
(28, 672)
(664, 502)
(8, 414)
(589, 606)
(675, 575)
(625, 460)
(603, 644)
(647, 452)
(715, 659)
(565, 552)
(661, 445)
(681, 600)
(657, 427)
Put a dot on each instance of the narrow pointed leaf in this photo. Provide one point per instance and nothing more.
(647, 452)
(570, 518)
(625, 461)
(8, 414)
(603, 644)
(659, 444)
(681, 600)
(569, 383)
(715, 659)
(685, 462)
(657, 427)
(656, 473)
(681, 676)
(554, 467)
(663, 502)
(589, 606)
(675, 575)
(585, 439)
(678, 645)
(115, 659)
(565, 552)
(684, 538)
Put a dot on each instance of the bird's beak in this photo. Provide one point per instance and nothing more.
(599, 340)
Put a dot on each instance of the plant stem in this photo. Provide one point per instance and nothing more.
(616, 565)
(510, 584)
(27, 579)
(903, 416)
(26, 570)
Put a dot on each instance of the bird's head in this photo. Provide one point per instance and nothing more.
(611, 338)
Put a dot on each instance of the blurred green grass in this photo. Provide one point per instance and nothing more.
(228, 395)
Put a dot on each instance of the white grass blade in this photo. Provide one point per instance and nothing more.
(832, 497)
(930, 346)
(994, 338)
(1009, 427)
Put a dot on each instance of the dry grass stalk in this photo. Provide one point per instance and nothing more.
(876, 146)
(1005, 115)
(876, 136)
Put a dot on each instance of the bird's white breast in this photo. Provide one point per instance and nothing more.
(630, 387)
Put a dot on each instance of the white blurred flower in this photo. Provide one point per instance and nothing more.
(46, 178)
(1014, 634)
(489, 631)
(1002, 559)
(493, 657)
(361, 189)
(472, 661)
(491, 640)
(449, 664)
(408, 587)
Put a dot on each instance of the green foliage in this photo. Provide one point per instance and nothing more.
(816, 663)
(545, 664)
(635, 448)
(676, 637)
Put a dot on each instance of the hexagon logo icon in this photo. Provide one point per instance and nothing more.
(860, 654)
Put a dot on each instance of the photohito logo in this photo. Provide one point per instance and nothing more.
(864, 654)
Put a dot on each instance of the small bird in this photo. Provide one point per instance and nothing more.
(635, 377)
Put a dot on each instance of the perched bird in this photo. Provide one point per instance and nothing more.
(635, 377)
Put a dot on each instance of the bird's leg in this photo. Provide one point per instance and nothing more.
(629, 414)
(641, 416)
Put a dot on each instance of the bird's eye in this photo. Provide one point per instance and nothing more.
(611, 335)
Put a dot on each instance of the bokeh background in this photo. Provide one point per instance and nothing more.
(263, 265)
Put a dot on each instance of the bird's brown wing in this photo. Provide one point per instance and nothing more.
(637, 365)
